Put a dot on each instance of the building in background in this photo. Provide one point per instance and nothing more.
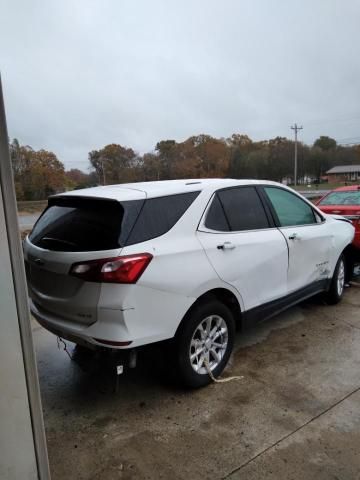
(344, 173)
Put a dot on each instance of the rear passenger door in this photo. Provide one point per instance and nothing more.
(244, 247)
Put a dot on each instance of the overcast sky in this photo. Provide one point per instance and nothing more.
(78, 74)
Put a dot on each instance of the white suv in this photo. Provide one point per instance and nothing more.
(123, 266)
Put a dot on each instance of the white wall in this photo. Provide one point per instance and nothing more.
(23, 452)
(17, 453)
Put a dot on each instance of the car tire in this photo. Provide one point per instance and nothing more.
(209, 330)
(337, 285)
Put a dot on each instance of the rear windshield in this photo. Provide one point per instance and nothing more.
(84, 224)
(349, 197)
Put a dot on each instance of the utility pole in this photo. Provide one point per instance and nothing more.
(296, 129)
(103, 170)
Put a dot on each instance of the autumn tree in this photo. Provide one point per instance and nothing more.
(37, 174)
(257, 161)
(151, 167)
(241, 142)
(325, 143)
(236, 156)
(319, 163)
(114, 164)
(20, 165)
(280, 159)
(167, 151)
(240, 147)
(212, 154)
(188, 163)
(48, 174)
(77, 179)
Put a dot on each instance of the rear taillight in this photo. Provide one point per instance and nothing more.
(126, 269)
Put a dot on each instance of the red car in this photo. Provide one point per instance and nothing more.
(344, 201)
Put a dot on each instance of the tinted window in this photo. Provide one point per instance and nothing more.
(237, 209)
(159, 215)
(289, 208)
(74, 224)
(215, 218)
(83, 224)
(350, 197)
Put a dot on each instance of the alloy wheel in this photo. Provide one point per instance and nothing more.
(340, 278)
(208, 344)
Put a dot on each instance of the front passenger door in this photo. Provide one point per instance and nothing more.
(307, 236)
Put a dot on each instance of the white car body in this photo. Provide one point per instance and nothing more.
(261, 269)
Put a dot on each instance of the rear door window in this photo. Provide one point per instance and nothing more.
(216, 218)
(158, 215)
(236, 209)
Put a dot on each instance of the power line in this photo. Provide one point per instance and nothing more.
(316, 123)
(348, 144)
(348, 139)
(296, 129)
(333, 120)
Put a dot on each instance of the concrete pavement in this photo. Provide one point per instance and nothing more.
(295, 415)
(326, 447)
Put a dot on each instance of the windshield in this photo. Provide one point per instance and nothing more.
(350, 197)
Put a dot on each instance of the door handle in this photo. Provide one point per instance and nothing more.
(226, 246)
(294, 236)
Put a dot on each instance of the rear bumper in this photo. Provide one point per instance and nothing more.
(72, 331)
(154, 317)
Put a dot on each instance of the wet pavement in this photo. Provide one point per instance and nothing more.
(294, 415)
(26, 222)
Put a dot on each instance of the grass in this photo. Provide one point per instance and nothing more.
(31, 207)
(321, 186)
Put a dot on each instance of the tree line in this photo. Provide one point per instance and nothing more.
(38, 174)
